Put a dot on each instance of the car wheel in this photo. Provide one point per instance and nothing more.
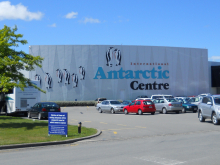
(183, 110)
(100, 110)
(214, 119)
(126, 111)
(201, 118)
(177, 112)
(140, 112)
(152, 113)
(39, 116)
(29, 114)
(112, 111)
(164, 110)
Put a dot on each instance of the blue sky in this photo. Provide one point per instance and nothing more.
(176, 23)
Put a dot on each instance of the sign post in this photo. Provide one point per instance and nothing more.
(58, 123)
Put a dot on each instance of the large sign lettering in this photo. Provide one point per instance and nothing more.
(154, 73)
(129, 74)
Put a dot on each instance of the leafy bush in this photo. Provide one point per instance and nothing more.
(74, 103)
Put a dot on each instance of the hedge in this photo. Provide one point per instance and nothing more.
(76, 103)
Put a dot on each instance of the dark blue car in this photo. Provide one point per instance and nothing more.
(126, 102)
(41, 109)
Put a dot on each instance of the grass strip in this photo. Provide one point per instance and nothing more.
(16, 130)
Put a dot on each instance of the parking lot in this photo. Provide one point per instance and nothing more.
(166, 139)
(120, 125)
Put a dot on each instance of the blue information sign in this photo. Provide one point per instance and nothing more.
(58, 123)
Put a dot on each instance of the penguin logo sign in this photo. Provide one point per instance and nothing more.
(82, 73)
(113, 54)
(38, 78)
(117, 55)
(48, 80)
(66, 75)
(59, 75)
(75, 80)
(109, 56)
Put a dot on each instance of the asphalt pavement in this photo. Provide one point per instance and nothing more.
(166, 139)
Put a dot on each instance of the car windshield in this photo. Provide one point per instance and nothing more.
(217, 100)
(168, 97)
(195, 99)
(157, 97)
(171, 100)
(102, 99)
(115, 102)
(186, 102)
(45, 105)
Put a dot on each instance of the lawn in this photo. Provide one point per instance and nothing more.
(16, 130)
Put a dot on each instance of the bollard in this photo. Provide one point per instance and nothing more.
(79, 127)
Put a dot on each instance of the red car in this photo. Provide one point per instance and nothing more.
(140, 107)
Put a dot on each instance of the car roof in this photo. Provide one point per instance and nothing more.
(215, 95)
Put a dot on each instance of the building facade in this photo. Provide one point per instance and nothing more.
(87, 72)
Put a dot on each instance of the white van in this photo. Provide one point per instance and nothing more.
(18, 101)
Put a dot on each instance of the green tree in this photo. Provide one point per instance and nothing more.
(12, 62)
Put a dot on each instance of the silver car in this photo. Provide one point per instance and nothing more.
(110, 106)
(209, 108)
(167, 105)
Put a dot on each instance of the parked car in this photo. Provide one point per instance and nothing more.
(168, 105)
(195, 100)
(205, 94)
(99, 100)
(191, 96)
(182, 100)
(142, 97)
(180, 97)
(112, 106)
(126, 102)
(161, 96)
(140, 107)
(41, 109)
(209, 108)
(187, 106)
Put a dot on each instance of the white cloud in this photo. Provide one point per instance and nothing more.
(91, 20)
(8, 11)
(214, 58)
(71, 15)
(53, 25)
